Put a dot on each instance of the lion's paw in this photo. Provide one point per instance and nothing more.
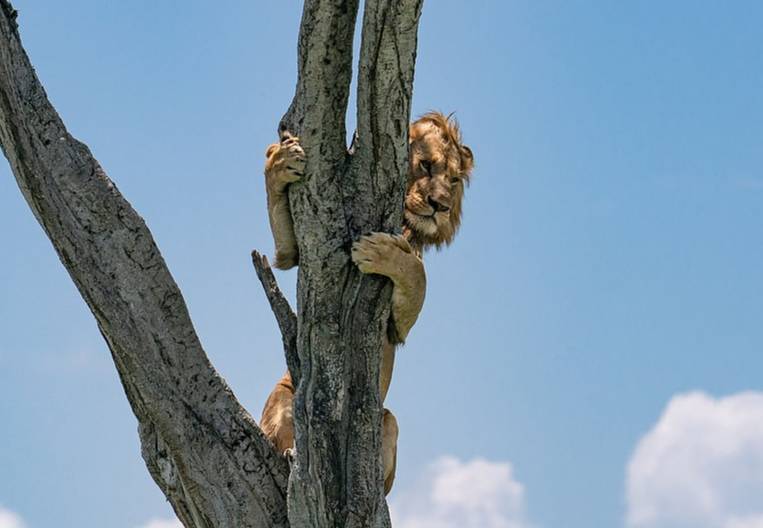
(382, 254)
(286, 259)
(285, 164)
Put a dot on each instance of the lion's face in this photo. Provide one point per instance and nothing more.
(440, 166)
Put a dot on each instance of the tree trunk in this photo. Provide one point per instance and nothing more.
(202, 448)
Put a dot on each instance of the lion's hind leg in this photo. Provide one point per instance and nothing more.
(277, 417)
(389, 448)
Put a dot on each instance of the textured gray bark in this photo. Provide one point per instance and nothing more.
(202, 448)
(336, 479)
(285, 316)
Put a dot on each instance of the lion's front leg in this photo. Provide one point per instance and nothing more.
(393, 257)
(285, 165)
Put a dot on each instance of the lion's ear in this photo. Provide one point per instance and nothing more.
(467, 159)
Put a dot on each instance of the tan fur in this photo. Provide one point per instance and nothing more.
(440, 166)
(285, 164)
(389, 448)
(277, 421)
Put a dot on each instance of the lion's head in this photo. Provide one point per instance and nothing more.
(440, 166)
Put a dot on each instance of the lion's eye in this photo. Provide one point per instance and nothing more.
(454, 180)
(426, 166)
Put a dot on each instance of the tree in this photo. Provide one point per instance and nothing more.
(202, 448)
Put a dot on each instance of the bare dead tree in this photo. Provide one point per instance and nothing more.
(202, 448)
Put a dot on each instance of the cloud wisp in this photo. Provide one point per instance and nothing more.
(455, 494)
(700, 466)
(9, 519)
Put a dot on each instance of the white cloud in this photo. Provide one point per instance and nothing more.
(455, 494)
(162, 523)
(746, 522)
(701, 465)
(9, 519)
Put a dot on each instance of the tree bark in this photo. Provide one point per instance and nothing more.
(202, 448)
(337, 477)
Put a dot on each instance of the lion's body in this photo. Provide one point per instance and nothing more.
(439, 167)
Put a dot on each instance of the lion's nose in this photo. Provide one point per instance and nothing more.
(439, 205)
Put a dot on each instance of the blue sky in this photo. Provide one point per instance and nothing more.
(607, 278)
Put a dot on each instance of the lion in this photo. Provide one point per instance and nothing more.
(440, 167)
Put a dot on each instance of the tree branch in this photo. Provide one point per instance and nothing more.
(385, 88)
(317, 112)
(287, 320)
(203, 448)
(336, 479)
